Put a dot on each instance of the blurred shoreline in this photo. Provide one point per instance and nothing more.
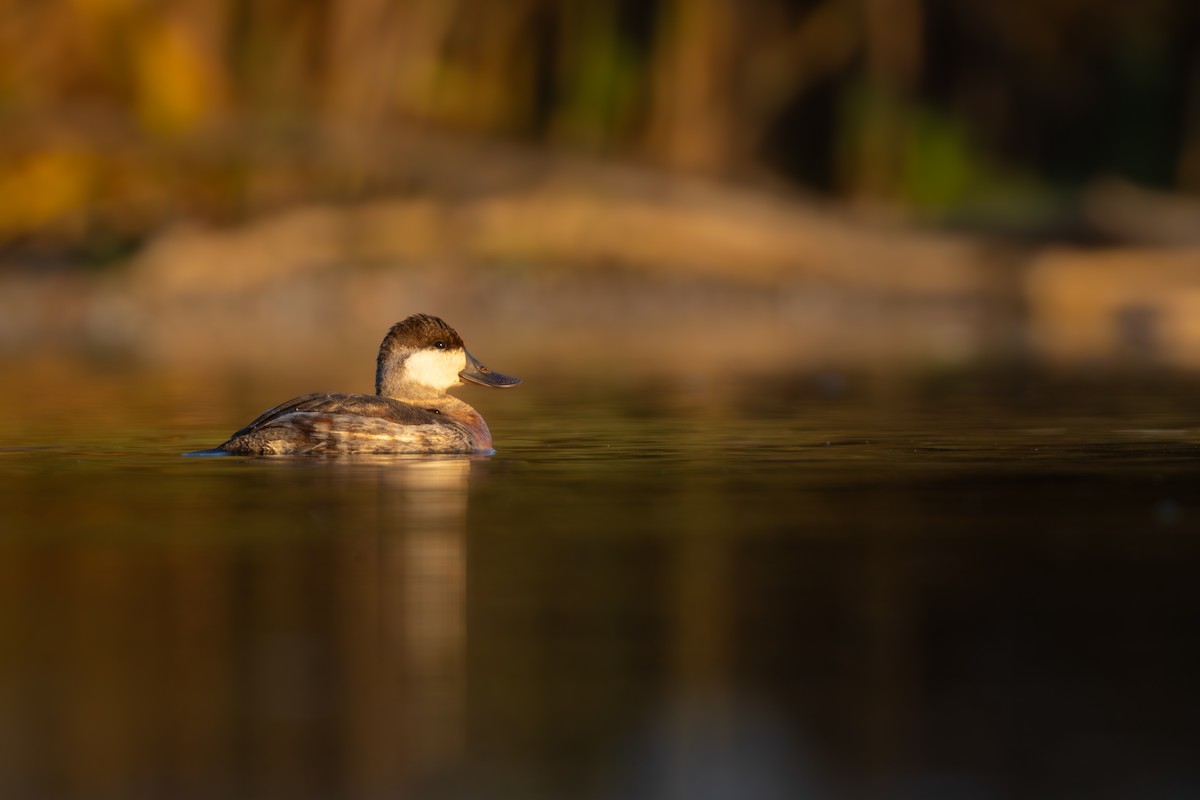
(617, 268)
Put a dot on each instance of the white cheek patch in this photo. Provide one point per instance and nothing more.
(436, 368)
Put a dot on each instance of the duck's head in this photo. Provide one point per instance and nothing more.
(424, 355)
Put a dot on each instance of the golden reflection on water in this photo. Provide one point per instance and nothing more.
(408, 717)
(429, 587)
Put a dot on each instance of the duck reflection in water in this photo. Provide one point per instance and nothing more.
(419, 360)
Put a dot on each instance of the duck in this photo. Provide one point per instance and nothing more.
(420, 358)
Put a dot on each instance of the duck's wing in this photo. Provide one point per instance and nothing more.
(359, 405)
(328, 403)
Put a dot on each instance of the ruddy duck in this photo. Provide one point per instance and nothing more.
(410, 412)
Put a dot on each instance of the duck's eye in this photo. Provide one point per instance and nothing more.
(439, 344)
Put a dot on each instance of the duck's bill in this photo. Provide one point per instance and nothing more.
(478, 373)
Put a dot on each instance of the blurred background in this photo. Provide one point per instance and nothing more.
(267, 185)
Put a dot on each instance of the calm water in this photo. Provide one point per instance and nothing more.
(906, 592)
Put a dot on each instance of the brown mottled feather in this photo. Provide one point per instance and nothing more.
(364, 405)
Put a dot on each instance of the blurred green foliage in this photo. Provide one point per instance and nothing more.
(116, 115)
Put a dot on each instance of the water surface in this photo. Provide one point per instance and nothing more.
(901, 592)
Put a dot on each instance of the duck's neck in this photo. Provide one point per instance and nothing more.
(391, 383)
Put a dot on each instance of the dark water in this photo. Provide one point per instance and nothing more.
(917, 593)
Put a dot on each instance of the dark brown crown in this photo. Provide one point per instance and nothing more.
(419, 332)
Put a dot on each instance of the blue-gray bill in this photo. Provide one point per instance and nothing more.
(478, 373)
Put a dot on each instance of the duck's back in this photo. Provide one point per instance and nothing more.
(355, 423)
